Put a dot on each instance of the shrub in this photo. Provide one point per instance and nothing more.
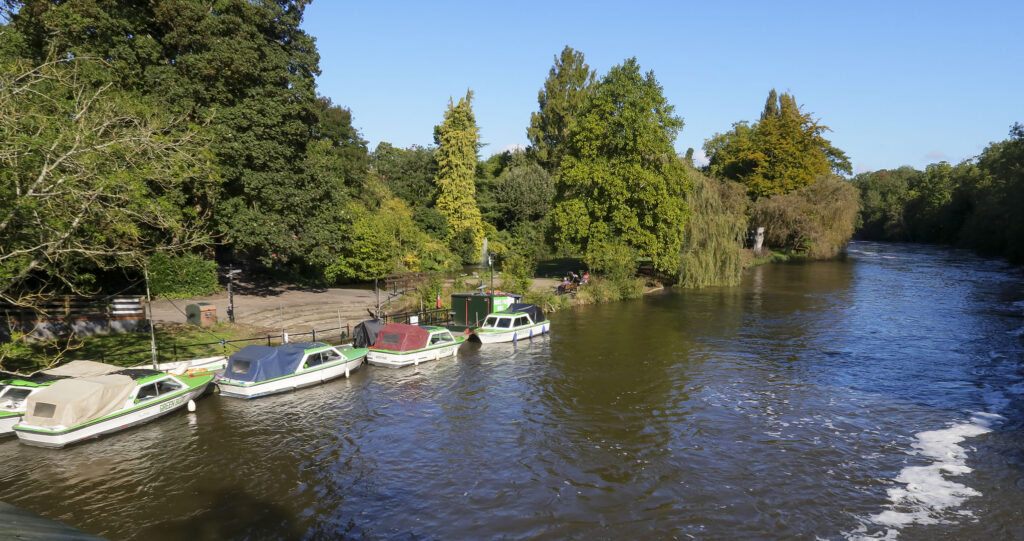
(817, 219)
(180, 277)
(517, 273)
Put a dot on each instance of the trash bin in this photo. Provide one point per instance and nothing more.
(201, 314)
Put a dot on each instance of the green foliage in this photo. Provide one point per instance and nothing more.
(91, 179)
(245, 71)
(817, 219)
(714, 249)
(408, 172)
(883, 200)
(621, 186)
(181, 277)
(617, 261)
(782, 152)
(517, 273)
(563, 97)
(524, 194)
(383, 241)
(972, 204)
(458, 139)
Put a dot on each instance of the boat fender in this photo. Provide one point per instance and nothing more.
(191, 406)
(514, 336)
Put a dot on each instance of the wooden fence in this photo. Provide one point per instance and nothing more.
(81, 315)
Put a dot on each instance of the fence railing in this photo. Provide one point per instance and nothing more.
(335, 335)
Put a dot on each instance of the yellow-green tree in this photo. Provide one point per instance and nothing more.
(457, 140)
(785, 150)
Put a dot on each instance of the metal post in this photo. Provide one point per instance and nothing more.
(231, 294)
(490, 263)
(152, 331)
(376, 290)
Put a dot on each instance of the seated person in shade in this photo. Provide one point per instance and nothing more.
(586, 277)
(562, 285)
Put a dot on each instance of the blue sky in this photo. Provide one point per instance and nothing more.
(899, 83)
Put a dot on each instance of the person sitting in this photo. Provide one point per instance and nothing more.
(586, 277)
(561, 287)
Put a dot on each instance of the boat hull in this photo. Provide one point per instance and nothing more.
(392, 359)
(7, 425)
(289, 383)
(490, 337)
(61, 438)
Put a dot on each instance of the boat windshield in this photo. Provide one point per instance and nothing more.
(14, 398)
(490, 322)
(504, 323)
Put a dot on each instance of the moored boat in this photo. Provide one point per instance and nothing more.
(261, 370)
(517, 322)
(14, 391)
(72, 410)
(400, 345)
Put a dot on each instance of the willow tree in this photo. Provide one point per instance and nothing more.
(622, 188)
(457, 140)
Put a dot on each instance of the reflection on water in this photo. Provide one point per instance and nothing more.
(872, 396)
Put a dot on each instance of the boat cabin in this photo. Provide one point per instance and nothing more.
(260, 363)
(399, 337)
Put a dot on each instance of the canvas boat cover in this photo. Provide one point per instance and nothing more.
(260, 363)
(82, 369)
(71, 402)
(401, 337)
(365, 334)
(532, 310)
(73, 369)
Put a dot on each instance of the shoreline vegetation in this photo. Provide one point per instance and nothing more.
(173, 147)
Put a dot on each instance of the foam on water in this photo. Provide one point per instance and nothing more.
(928, 495)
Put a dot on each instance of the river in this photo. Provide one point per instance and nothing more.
(874, 396)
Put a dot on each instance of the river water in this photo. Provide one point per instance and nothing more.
(876, 396)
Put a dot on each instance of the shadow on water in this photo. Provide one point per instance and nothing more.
(226, 514)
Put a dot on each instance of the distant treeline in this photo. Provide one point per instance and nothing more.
(162, 136)
(977, 204)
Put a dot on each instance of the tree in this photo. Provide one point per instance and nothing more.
(782, 152)
(621, 186)
(457, 141)
(524, 193)
(244, 68)
(91, 180)
(563, 97)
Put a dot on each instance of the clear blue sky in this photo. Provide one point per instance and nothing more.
(899, 83)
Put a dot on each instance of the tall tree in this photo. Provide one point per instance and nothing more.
(562, 98)
(622, 186)
(457, 141)
(782, 152)
(90, 179)
(242, 67)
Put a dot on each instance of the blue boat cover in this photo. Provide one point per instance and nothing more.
(260, 363)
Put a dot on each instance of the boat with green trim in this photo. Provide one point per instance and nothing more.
(15, 390)
(76, 409)
(516, 322)
(400, 345)
(261, 370)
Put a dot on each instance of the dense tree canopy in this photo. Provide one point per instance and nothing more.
(782, 152)
(563, 97)
(90, 179)
(245, 69)
(621, 185)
